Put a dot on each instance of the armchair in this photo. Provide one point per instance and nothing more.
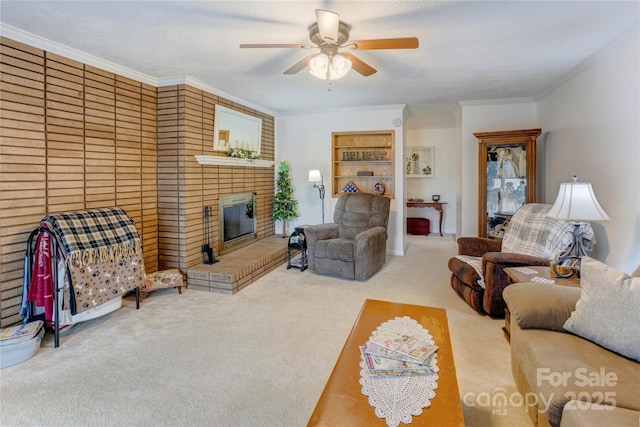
(353, 246)
(532, 238)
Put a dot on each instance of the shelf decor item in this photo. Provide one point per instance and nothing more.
(379, 188)
(435, 198)
(350, 188)
(243, 154)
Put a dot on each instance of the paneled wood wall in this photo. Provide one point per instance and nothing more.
(185, 129)
(76, 137)
(72, 137)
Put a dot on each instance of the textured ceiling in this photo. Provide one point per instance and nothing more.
(469, 51)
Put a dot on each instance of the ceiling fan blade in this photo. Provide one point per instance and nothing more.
(359, 65)
(298, 46)
(299, 65)
(328, 23)
(399, 43)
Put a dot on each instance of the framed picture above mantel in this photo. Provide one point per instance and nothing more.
(420, 162)
(363, 162)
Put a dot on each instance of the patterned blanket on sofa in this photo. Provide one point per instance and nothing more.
(532, 232)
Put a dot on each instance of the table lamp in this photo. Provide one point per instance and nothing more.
(315, 176)
(576, 203)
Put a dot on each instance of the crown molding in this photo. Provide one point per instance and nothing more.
(190, 81)
(400, 107)
(75, 54)
(497, 101)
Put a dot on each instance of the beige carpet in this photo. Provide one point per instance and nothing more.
(257, 358)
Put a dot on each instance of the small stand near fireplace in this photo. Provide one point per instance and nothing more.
(297, 244)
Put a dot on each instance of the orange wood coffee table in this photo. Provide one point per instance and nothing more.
(342, 401)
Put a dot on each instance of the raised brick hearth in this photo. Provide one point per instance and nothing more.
(240, 268)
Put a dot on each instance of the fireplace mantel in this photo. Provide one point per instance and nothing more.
(234, 161)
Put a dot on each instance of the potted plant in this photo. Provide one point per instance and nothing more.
(285, 206)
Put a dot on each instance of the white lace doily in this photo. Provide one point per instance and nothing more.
(397, 399)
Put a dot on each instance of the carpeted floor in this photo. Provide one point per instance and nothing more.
(257, 358)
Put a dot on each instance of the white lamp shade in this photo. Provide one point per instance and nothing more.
(318, 66)
(576, 201)
(323, 67)
(339, 67)
(315, 176)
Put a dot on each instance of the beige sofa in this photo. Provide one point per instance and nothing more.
(567, 380)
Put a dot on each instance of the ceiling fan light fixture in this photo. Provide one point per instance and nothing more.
(319, 65)
(339, 67)
(332, 68)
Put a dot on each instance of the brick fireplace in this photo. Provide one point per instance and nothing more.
(185, 130)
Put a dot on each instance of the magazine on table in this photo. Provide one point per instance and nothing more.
(378, 350)
(399, 345)
(381, 366)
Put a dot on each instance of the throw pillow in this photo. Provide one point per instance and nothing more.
(538, 306)
(607, 312)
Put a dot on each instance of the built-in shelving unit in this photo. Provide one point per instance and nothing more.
(364, 160)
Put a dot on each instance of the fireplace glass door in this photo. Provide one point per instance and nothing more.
(238, 223)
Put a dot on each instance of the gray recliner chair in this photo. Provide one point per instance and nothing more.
(353, 246)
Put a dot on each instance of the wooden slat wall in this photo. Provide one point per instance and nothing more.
(23, 164)
(185, 129)
(71, 137)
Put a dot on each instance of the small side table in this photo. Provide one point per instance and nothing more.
(520, 274)
(435, 205)
(297, 243)
(527, 274)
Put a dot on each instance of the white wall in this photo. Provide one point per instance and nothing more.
(592, 130)
(590, 126)
(445, 177)
(304, 141)
(484, 117)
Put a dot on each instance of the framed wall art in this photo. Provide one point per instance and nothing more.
(419, 162)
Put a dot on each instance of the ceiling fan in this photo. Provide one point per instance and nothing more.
(331, 36)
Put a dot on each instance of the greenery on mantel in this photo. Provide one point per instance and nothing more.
(243, 154)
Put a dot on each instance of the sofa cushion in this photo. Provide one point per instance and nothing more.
(473, 269)
(532, 232)
(466, 273)
(559, 367)
(534, 305)
(581, 414)
(338, 249)
(357, 212)
(607, 312)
